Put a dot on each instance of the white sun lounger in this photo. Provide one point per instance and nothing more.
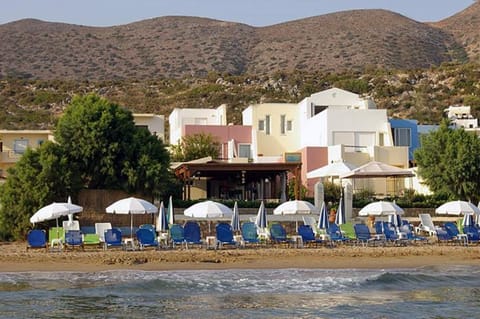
(100, 229)
(426, 225)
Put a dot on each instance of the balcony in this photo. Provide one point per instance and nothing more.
(9, 156)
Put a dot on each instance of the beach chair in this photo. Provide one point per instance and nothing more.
(308, 236)
(335, 234)
(192, 233)
(101, 228)
(426, 225)
(411, 236)
(177, 235)
(91, 240)
(454, 233)
(363, 235)
(36, 238)
(146, 237)
(278, 235)
(56, 238)
(390, 233)
(310, 221)
(112, 238)
(224, 235)
(147, 226)
(73, 238)
(472, 234)
(70, 225)
(249, 233)
(348, 231)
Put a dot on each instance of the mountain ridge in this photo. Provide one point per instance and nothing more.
(180, 46)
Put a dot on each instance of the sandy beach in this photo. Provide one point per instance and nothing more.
(15, 258)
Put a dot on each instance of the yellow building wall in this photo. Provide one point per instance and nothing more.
(275, 143)
(14, 143)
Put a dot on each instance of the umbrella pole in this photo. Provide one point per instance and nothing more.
(131, 226)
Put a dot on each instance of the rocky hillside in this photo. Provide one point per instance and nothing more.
(176, 47)
(465, 27)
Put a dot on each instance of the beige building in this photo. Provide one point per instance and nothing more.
(14, 143)
(275, 128)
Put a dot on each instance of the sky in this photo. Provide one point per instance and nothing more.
(251, 12)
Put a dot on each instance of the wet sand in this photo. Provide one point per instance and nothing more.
(15, 258)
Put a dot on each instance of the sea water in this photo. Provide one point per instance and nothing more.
(431, 292)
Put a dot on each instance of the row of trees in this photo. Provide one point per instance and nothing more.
(97, 146)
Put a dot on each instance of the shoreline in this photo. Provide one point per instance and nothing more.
(15, 258)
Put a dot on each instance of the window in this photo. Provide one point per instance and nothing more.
(318, 108)
(289, 125)
(267, 124)
(20, 146)
(244, 150)
(261, 125)
(40, 142)
(282, 125)
(402, 136)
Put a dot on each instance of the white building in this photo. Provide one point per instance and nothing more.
(154, 123)
(181, 117)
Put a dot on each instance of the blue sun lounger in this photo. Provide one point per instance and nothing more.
(224, 234)
(37, 238)
(146, 237)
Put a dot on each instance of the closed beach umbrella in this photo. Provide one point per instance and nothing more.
(323, 219)
(340, 217)
(171, 216)
(235, 218)
(162, 223)
(131, 206)
(467, 220)
(395, 220)
(261, 219)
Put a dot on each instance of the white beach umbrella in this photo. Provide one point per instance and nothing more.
(457, 208)
(235, 222)
(54, 211)
(171, 216)
(294, 207)
(162, 223)
(340, 216)
(467, 220)
(261, 219)
(381, 208)
(323, 222)
(334, 169)
(208, 209)
(131, 206)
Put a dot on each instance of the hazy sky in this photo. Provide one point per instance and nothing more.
(252, 12)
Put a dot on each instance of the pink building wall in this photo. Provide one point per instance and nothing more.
(312, 158)
(224, 133)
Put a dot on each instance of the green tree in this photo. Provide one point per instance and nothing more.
(195, 146)
(97, 136)
(149, 173)
(98, 146)
(449, 162)
(41, 176)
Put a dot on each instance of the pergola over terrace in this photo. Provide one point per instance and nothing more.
(246, 176)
